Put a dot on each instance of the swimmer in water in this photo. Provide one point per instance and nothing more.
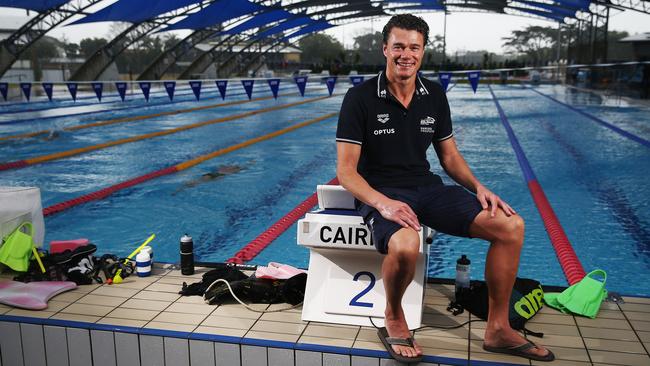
(221, 172)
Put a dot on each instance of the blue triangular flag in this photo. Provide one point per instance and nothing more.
(445, 79)
(274, 84)
(196, 88)
(248, 87)
(221, 85)
(48, 87)
(72, 88)
(473, 79)
(170, 86)
(4, 87)
(121, 89)
(330, 81)
(301, 82)
(356, 80)
(145, 86)
(27, 89)
(99, 89)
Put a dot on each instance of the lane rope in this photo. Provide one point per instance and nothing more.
(105, 192)
(64, 154)
(571, 266)
(616, 129)
(257, 245)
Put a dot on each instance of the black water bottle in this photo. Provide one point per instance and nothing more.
(187, 255)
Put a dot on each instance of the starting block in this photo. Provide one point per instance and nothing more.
(344, 284)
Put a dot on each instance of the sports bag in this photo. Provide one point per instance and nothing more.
(525, 302)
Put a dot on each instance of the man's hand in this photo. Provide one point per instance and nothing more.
(398, 212)
(487, 198)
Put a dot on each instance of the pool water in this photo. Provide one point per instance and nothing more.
(595, 178)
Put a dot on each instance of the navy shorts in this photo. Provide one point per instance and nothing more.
(447, 209)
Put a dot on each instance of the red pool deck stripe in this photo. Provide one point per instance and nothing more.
(105, 192)
(571, 266)
(257, 245)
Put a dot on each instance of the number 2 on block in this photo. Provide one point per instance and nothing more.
(371, 284)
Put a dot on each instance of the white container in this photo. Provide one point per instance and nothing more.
(143, 264)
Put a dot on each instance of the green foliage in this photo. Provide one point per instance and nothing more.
(321, 48)
(368, 49)
(88, 46)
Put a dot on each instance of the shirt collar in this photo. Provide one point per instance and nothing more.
(382, 86)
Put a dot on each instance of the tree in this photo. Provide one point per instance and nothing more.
(369, 48)
(88, 46)
(321, 48)
(535, 42)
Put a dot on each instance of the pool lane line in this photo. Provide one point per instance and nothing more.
(257, 245)
(82, 150)
(105, 192)
(135, 118)
(616, 129)
(573, 270)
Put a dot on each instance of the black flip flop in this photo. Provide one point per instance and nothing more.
(520, 351)
(389, 341)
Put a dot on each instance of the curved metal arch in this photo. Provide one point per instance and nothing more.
(642, 6)
(98, 62)
(17, 43)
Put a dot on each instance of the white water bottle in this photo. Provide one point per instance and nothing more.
(143, 264)
(462, 274)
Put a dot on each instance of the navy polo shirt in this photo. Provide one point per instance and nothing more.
(394, 139)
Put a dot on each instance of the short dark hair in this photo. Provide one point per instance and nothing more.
(408, 22)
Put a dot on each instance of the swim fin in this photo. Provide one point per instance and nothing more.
(585, 298)
(582, 298)
(17, 248)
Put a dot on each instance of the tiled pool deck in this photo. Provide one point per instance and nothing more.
(144, 321)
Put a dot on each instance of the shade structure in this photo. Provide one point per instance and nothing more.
(216, 13)
(134, 11)
(36, 5)
(259, 20)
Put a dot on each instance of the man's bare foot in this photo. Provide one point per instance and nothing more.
(507, 338)
(397, 328)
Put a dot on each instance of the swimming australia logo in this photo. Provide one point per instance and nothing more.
(427, 125)
(383, 118)
(427, 121)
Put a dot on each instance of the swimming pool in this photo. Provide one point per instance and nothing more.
(594, 177)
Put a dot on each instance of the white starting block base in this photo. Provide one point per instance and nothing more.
(344, 284)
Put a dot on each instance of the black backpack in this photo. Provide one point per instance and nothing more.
(525, 302)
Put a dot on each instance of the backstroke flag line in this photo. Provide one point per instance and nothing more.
(274, 84)
(121, 89)
(301, 82)
(170, 86)
(99, 89)
(196, 88)
(330, 81)
(248, 87)
(445, 79)
(473, 79)
(146, 88)
(221, 85)
(72, 88)
(27, 89)
(48, 88)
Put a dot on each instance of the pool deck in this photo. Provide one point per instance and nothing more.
(144, 321)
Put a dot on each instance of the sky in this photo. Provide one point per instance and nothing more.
(465, 31)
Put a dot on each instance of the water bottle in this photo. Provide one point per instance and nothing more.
(149, 250)
(187, 255)
(462, 274)
(143, 264)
